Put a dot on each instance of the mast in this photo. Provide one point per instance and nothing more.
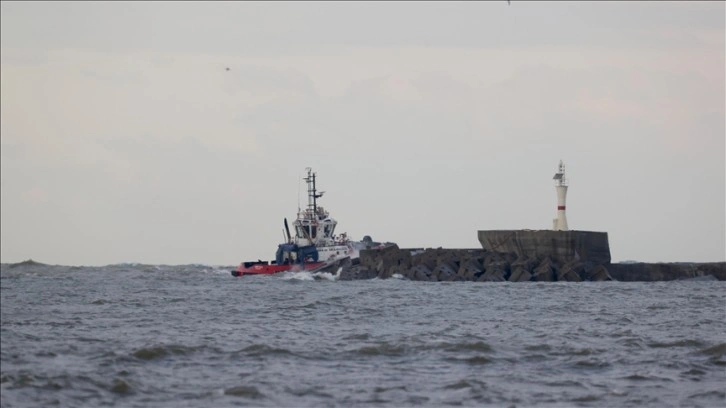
(315, 197)
(312, 192)
(309, 180)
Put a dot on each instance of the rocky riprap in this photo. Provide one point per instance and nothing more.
(478, 265)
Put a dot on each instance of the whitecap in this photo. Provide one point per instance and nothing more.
(326, 275)
(302, 275)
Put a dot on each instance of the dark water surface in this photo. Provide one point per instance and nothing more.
(194, 336)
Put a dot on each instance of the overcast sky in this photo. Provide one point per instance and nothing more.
(125, 139)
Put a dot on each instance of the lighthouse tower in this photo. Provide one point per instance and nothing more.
(560, 223)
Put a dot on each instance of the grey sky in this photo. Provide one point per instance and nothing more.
(124, 139)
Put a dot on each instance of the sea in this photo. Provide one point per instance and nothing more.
(194, 336)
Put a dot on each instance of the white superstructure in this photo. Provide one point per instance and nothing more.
(560, 223)
(314, 226)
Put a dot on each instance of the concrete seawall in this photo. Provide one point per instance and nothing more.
(560, 246)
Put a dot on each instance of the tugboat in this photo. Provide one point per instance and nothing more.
(314, 245)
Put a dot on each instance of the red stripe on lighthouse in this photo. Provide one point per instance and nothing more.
(561, 207)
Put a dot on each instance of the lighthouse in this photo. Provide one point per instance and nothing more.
(560, 223)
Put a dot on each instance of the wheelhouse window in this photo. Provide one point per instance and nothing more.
(305, 230)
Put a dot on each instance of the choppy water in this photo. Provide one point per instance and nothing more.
(165, 336)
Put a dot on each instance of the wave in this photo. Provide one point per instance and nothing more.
(466, 384)
(385, 349)
(476, 360)
(120, 387)
(244, 391)
(718, 350)
(158, 352)
(309, 276)
(66, 381)
(315, 391)
(29, 267)
(398, 349)
(478, 346)
(677, 343)
(641, 377)
(538, 347)
(716, 354)
(716, 395)
(592, 364)
(586, 398)
(257, 350)
(26, 263)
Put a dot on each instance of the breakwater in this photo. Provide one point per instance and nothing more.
(522, 256)
(652, 272)
(481, 265)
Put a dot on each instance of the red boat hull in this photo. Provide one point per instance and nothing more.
(266, 269)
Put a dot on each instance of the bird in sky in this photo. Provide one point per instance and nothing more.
(227, 68)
